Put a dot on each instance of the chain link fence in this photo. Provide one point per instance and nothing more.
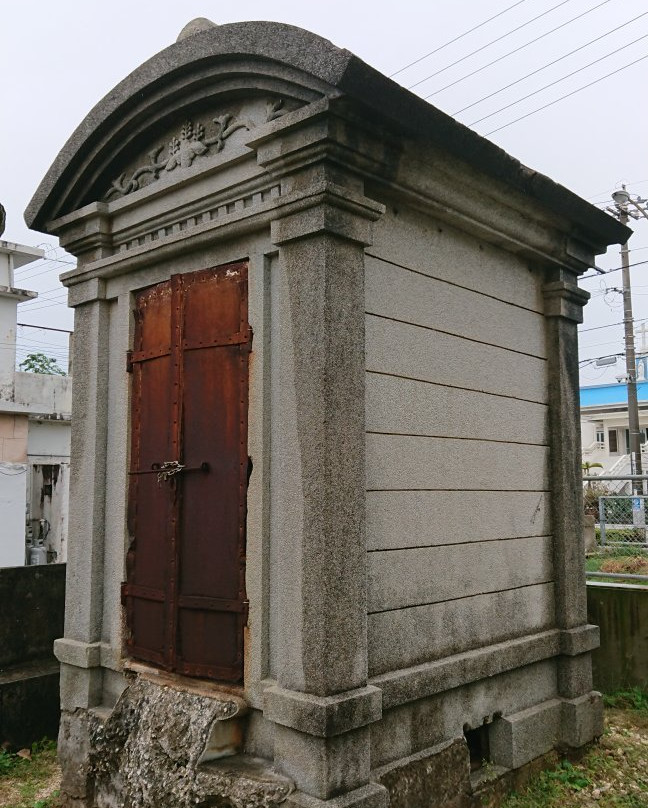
(623, 520)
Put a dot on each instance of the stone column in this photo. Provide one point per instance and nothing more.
(581, 708)
(322, 705)
(79, 651)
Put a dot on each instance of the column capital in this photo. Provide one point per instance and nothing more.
(564, 299)
(332, 209)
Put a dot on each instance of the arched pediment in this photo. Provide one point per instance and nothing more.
(191, 101)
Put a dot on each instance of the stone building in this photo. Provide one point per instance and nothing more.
(326, 542)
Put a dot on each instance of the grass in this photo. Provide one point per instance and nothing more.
(630, 560)
(30, 778)
(612, 774)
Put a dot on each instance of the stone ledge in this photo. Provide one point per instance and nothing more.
(78, 653)
(323, 716)
(579, 640)
(370, 796)
(28, 670)
(409, 684)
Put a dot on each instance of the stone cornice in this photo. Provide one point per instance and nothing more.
(563, 299)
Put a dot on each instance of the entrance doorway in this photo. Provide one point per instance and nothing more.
(185, 590)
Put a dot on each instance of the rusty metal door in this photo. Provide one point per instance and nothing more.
(185, 590)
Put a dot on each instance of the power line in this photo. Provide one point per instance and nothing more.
(56, 260)
(492, 42)
(609, 325)
(456, 39)
(23, 278)
(45, 328)
(608, 192)
(607, 271)
(516, 50)
(47, 306)
(557, 81)
(567, 95)
(540, 69)
(49, 296)
(594, 358)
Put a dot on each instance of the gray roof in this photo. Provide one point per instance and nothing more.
(345, 74)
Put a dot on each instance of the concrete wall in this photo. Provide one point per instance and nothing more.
(32, 606)
(621, 612)
(457, 511)
(48, 438)
(44, 393)
(13, 438)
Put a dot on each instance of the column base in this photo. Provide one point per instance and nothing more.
(516, 739)
(582, 719)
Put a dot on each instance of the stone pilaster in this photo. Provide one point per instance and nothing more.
(322, 704)
(564, 303)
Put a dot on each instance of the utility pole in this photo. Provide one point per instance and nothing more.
(622, 202)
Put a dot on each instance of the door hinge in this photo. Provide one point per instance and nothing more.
(129, 361)
(246, 611)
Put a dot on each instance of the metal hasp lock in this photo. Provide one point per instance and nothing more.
(169, 468)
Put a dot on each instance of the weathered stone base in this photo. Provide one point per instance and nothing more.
(370, 796)
(438, 777)
(159, 748)
(521, 745)
(164, 747)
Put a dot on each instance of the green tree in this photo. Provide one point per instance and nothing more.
(41, 363)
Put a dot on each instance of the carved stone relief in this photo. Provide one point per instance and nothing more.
(194, 139)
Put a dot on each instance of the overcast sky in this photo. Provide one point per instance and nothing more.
(59, 58)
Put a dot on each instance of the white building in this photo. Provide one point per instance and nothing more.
(34, 435)
(604, 424)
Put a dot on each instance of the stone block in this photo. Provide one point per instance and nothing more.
(414, 462)
(574, 675)
(398, 519)
(409, 406)
(323, 767)
(323, 715)
(73, 754)
(580, 640)
(408, 350)
(438, 777)
(416, 298)
(423, 575)
(423, 244)
(581, 719)
(80, 687)
(369, 796)
(516, 739)
(406, 637)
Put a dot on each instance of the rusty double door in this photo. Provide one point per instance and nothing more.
(185, 589)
